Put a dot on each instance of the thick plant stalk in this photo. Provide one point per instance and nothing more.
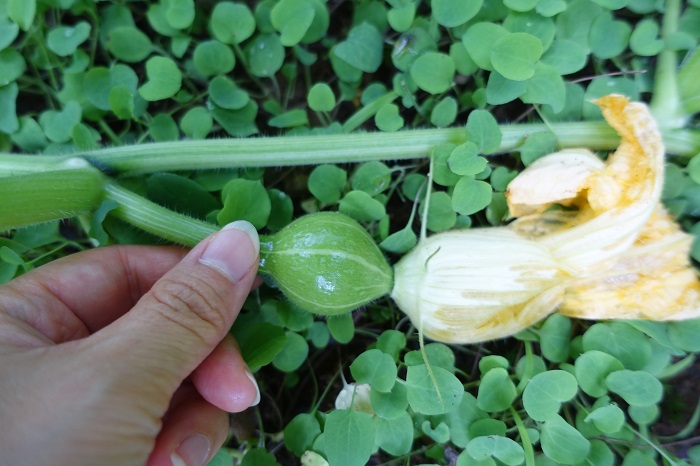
(72, 189)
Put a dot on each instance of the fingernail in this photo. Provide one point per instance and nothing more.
(234, 250)
(255, 384)
(193, 451)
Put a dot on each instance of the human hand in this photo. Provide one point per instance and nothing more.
(121, 355)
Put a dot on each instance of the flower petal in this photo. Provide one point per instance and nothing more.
(474, 285)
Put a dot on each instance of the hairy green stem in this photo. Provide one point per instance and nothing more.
(156, 219)
(40, 197)
(337, 148)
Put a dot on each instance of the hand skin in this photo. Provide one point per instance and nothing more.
(121, 355)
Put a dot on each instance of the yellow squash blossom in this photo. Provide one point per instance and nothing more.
(611, 252)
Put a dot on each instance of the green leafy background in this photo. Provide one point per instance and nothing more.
(80, 74)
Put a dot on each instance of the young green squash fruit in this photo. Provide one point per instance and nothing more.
(326, 263)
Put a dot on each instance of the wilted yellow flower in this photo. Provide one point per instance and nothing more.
(615, 253)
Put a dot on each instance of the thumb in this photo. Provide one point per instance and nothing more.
(174, 326)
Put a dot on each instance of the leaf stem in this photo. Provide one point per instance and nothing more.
(666, 102)
(155, 219)
(525, 437)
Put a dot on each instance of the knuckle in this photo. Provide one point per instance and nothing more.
(194, 304)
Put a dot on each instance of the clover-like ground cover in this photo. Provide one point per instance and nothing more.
(267, 110)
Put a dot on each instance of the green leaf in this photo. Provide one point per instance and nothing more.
(327, 182)
(293, 354)
(438, 354)
(430, 398)
(561, 442)
(180, 194)
(342, 327)
(163, 128)
(213, 58)
(537, 145)
(391, 342)
(128, 44)
(394, 435)
(321, 98)
(555, 337)
(164, 79)
(238, 123)
(501, 448)
(58, 126)
(180, 13)
(390, 405)
(608, 37)
(500, 90)
(8, 33)
(259, 457)
(282, 210)
(433, 72)
(546, 87)
(545, 392)
(592, 368)
(265, 55)
(501, 177)
(245, 200)
(226, 94)
(566, 56)
(64, 40)
(492, 362)
(441, 216)
(30, 136)
(375, 368)
(496, 391)
(196, 123)
(440, 434)
(372, 178)
(464, 160)
(349, 437)
(612, 4)
(22, 12)
(292, 18)
(644, 415)
(361, 206)
(290, 119)
(608, 419)
(300, 433)
(84, 137)
(453, 13)
(684, 334)
(362, 49)
(470, 195)
(388, 118)
(12, 66)
(637, 388)
(260, 342)
(400, 242)
(8, 108)
(619, 339)
(514, 55)
(645, 39)
(400, 19)
(121, 102)
(232, 22)
(479, 40)
(444, 112)
(483, 131)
